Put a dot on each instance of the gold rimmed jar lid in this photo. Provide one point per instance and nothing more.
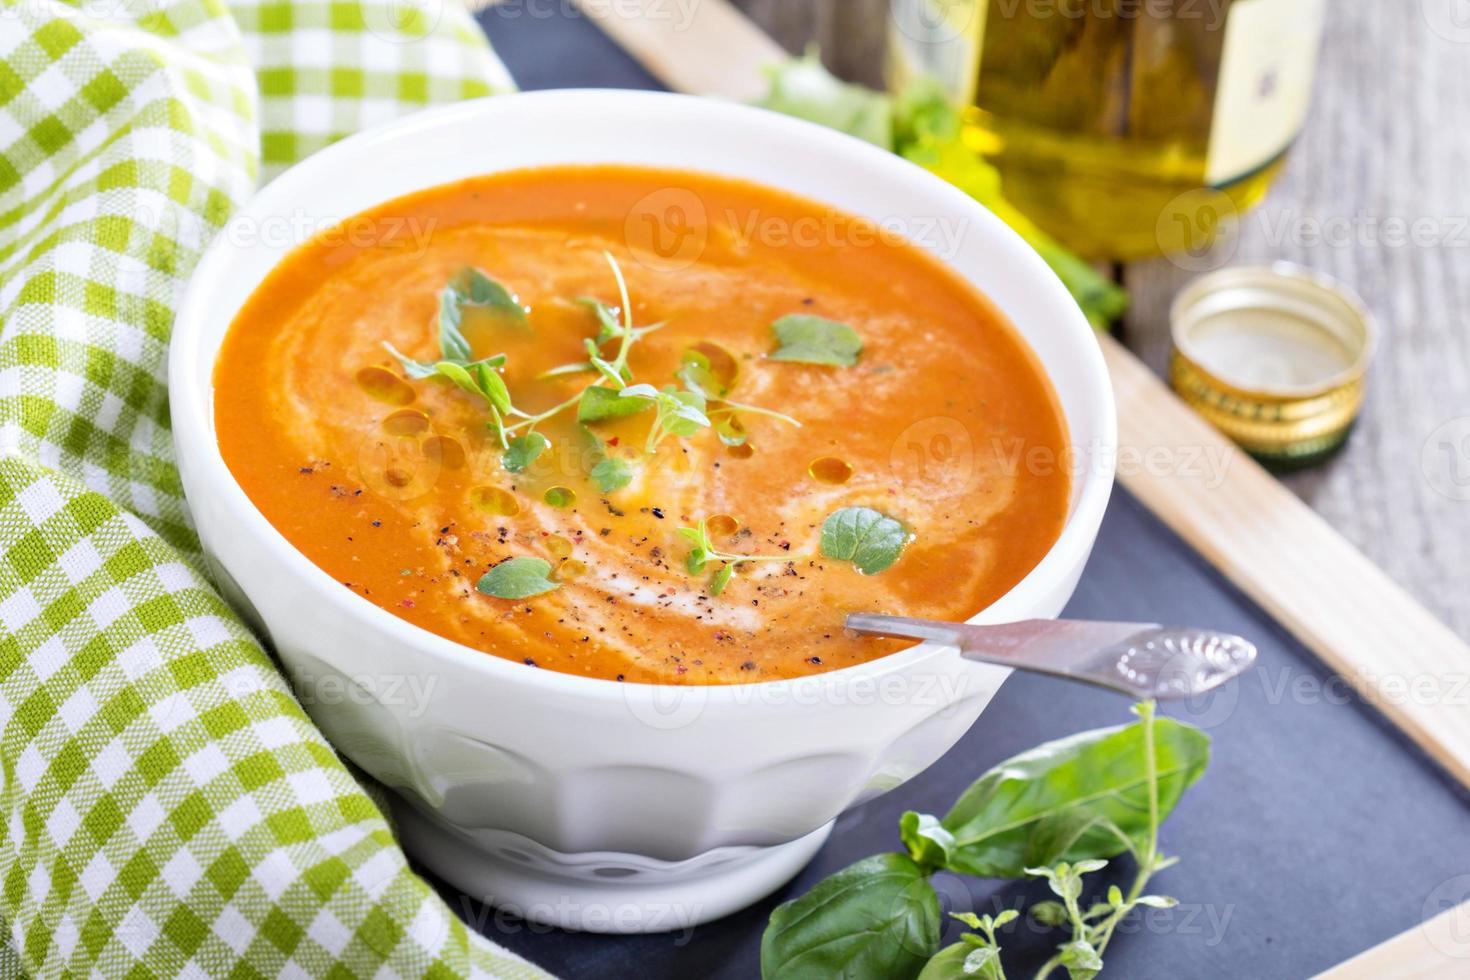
(1274, 357)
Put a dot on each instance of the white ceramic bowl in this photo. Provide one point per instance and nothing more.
(582, 802)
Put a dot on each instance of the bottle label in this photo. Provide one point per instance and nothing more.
(1265, 83)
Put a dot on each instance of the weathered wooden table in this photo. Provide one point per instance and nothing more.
(1374, 194)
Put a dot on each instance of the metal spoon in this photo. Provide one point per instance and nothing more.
(1142, 660)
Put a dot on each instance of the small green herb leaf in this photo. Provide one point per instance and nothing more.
(1049, 913)
(611, 474)
(877, 918)
(953, 963)
(479, 378)
(1081, 960)
(523, 451)
(815, 340)
(697, 375)
(869, 539)
(518, 578)
(599, 403)
(471, 287)
(721, 579)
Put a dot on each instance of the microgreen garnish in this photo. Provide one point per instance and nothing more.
(609, 327)
(815, 340)
(469, 288)
(694, 371)
(611, 474)
(597, 404)
(680, 413)
(518, 578)
(698, 375)
(702, 551)
(868, 538)
(608, 473)
(523, 451)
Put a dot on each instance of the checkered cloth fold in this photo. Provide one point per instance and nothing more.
(166, 809)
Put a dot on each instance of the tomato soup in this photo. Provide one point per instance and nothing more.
(641, 425)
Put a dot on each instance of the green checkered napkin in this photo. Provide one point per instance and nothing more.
(166, 809)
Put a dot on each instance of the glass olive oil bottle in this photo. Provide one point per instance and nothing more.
(1122, 127)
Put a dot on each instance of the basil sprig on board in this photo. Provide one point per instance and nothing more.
(1057, 812)
(877, 918)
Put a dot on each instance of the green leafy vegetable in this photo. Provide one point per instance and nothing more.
(702, 551)
(481, 378)
(518, 578)
(815, 340)
(680, 413)
(698, 375)
(977, 955)
(695, 372)
(1078, 801)
(923, 126)
(469, 288)
(472, 288)
(869, 539)
(611, 474)
(523, 451)
(1081, 797)
(599, 404)
(878, 918)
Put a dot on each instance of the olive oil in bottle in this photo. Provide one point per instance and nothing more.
(1124, 128)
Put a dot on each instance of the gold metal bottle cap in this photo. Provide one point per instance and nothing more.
(1274, 357)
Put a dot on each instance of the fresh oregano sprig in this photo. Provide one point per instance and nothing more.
(702, 551)
(469, 288)
(679, 413)
(1093, 930)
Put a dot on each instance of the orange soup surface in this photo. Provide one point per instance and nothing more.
(923, 411)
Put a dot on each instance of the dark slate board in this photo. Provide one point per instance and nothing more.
(1318, 831)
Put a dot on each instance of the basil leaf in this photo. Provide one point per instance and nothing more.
(599, 403)
(869, 539)
(816, 340)
(518, 578)
(1073, 799)
(471, 287)
(611, 474)
(925, 837)
(877, 918)
(523, 451)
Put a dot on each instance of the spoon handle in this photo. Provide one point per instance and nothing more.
(1142, 660)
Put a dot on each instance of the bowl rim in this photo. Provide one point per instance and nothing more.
(194, 438)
